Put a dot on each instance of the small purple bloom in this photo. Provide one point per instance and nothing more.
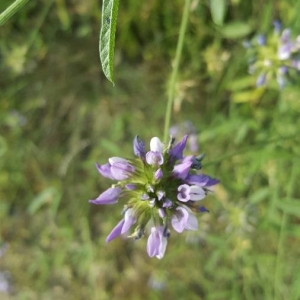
(160, 195)
(123, 226)
(286, 45)
(110, 196)
(193, 143)
(130, 186)
(261, 39)
(120, 168)
(201, 179)
(161, 212)
(181, 171)
(139, 147)
(157, 243)
(158, 174)
(203, 209)
(277, 26)
(182, 220)
(177, 151)
(183, 193)
(116, 231)
(156, 145)
(261, 80)
(154, 158)
(167, 203)
(129, 219)
(104, 170)
(197, 193)
(117, 168)
(194, 193)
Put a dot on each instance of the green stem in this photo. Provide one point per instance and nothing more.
(282, 235)
(171, 87)
(11, 10)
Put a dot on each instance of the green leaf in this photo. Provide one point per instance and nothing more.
(218, 11)
(236, 30)
(290, 206)
(48, 197)
(107, 37)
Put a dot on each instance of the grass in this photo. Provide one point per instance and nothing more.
(58, 116)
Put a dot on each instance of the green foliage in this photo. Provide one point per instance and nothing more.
(58, 116)
(107, 37)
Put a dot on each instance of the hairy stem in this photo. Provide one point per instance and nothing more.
(171, 87)
(11, 10)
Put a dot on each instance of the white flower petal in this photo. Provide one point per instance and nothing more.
(156, 145)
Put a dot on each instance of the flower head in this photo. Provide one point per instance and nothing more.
(161, 186)
(274, 57)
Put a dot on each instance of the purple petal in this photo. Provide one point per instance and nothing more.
(277, 26)
(203, 209)
(160, 195)
(201, 179)
(184, 193)
(261, 79)
(193, 143)
(180, 219)
(261, 39)
(197, 193)
(139, 147)
(129, 219)
(154, 158)
(158, 174)
(116, 231)
(121, 170)
(110, 196)
(130, 186)
(157, 243)
(167, 203)
(153, 242)
(105, 171)
(181, 171)
(192, 222)
(156, 145)
(177, 151)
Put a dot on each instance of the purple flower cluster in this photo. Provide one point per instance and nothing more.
(277, 55)
(161, 188)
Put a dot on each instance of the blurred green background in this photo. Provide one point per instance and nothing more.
(59, 115)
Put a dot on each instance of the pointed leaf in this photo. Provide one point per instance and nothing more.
(218, 10)
(107, 37)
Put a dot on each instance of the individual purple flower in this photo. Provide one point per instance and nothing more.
(261, 39)
(277, 26)
(201, 180)
(190, 192)
(117, 168)
(161, 186)
(123, 226)
(157, 242)
(110, 196)
(155, 155)
(139, 147)
(184, 220)
(182, 170)
(261, 80)
(120, 168)
(177, 151)
(158, 174)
